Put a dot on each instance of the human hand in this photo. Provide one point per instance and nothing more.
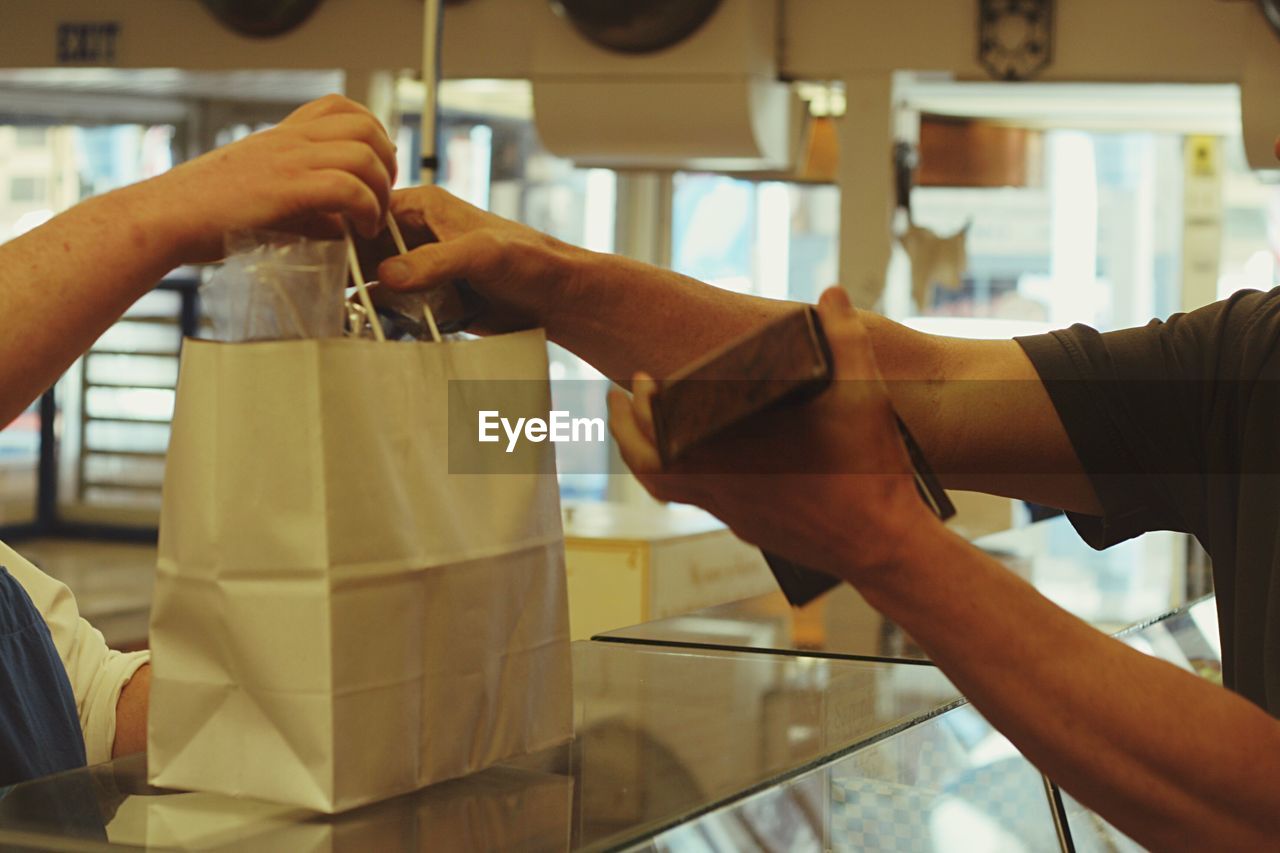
(827, 484)
(521, 273)
(327, 160)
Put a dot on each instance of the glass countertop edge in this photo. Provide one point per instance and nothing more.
(605, 637)
(1138, 627)
(624, 841)
(795, 653)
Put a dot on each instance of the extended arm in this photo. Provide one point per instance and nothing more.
(1174, 761)
(977, 408)
(64, 283)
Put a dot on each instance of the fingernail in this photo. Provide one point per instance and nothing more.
(394, 273)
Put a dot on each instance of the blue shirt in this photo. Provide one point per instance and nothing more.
(39, 726)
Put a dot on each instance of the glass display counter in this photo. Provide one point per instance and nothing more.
(661, 737)
(948, 782)
(1124, 585)
(674, 749)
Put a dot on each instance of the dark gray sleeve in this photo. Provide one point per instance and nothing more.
(1153, 412)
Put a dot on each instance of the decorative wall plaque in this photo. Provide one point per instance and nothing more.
(1015, 37)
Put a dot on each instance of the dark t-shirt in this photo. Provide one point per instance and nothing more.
(39, 726)
(1178, 425)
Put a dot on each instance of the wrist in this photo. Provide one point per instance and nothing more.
(157, 230)
(569, 299)
(910, 541)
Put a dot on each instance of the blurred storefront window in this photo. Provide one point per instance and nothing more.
(1096, 240)
(767, 238)
(1250, 225)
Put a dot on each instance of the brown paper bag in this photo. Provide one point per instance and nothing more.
(337, 618)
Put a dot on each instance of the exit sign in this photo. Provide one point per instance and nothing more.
(88, 42)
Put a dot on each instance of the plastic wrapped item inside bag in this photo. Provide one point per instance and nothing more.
(277, 287)
(395, 326)
(407, 316)
(453, 306)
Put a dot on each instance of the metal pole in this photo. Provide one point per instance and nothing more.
(432, 31)
(1059, 811)
(47, 477)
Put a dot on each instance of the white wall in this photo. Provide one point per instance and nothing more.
(1131, 40)
(181, 34)
(861, 42)
(1134, 40)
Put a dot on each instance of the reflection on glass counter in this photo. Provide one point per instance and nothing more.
(110, 807)
(1188, 639)
(950, 783)
(1127, 584)
(660, 736)
(674, 750)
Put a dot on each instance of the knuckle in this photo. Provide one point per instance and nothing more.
(338, 184)
(333, 102)
(434, 194)
(346, 189)
(487, 241)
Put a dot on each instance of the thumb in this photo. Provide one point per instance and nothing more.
(850, 343)
(433, 263)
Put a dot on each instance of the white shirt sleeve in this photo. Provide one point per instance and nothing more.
(97, 673)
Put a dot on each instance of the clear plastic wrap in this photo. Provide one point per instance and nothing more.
(277, 287)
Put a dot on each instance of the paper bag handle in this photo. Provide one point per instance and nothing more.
(398, 238)
(353, 261)
(362, 288)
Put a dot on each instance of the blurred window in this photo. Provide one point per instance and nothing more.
(762, 237)
(1097, 240)
(30, 137)
(24, 190)
(1250, 225)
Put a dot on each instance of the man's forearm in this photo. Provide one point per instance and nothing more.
(977, 408)
(1105, 721)
(64, 283)
(624, 316)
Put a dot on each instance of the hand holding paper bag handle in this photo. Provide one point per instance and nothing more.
(453, 306)
(66, 281)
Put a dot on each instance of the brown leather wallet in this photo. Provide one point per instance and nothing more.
(785, 362)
